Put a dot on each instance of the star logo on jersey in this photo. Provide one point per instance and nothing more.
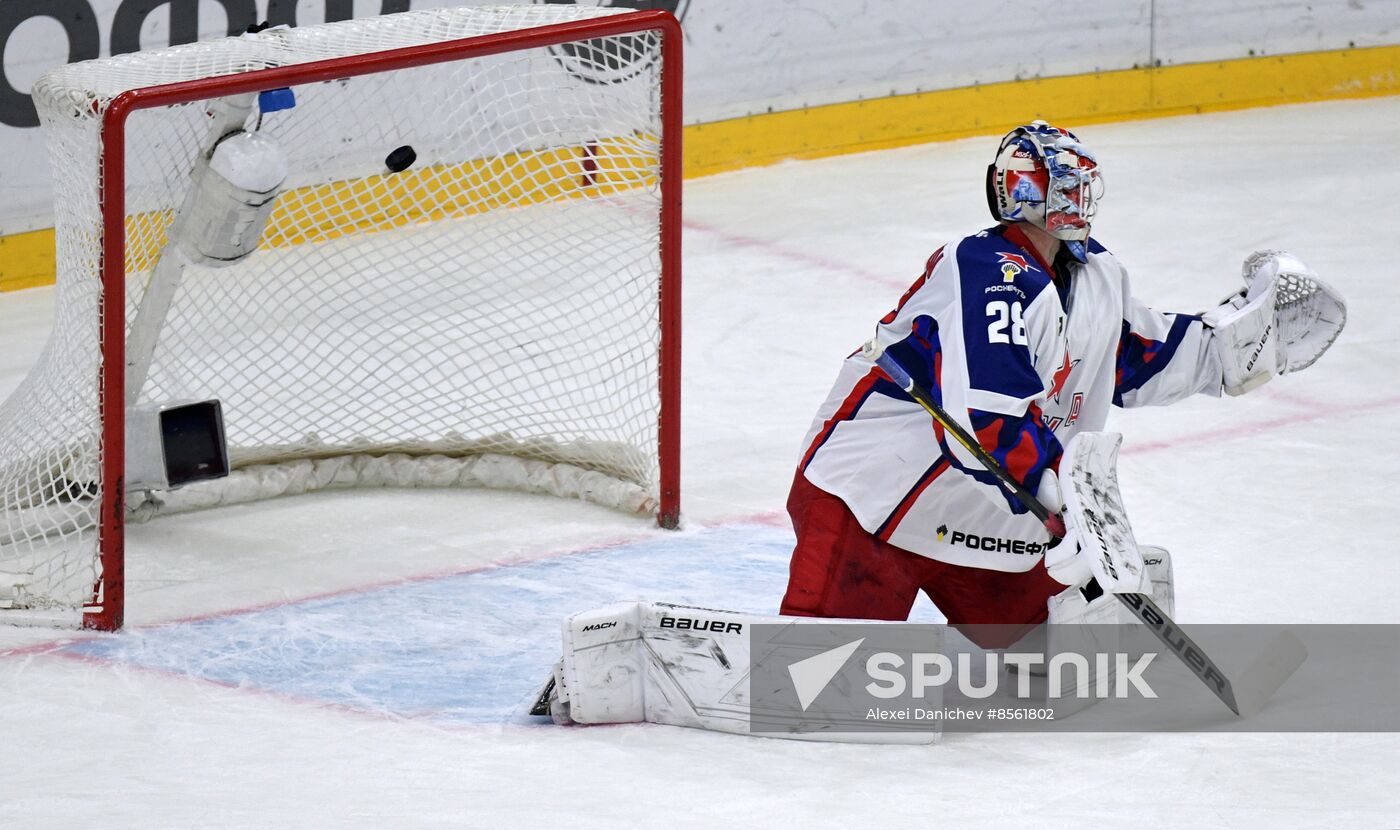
(1062, 375)
(1013, 264)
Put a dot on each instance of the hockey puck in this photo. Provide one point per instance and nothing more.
(401, 159)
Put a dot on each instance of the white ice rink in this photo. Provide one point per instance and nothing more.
(346, 660)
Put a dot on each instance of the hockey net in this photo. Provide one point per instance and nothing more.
(501, 313)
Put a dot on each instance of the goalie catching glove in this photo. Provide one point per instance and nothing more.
(1283, 321)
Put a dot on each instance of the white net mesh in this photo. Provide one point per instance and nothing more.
(494, 305)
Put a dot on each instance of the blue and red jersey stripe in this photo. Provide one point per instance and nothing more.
(1140, 359)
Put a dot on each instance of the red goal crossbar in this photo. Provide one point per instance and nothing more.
(105, 612)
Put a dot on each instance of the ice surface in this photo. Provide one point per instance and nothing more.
(342, 699)
(466, 648)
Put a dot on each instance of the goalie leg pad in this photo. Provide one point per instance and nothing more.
(1072, 607)
(1158, 564)
(649, 662)
(1078, 625)
(601, 678)
(1086, 626)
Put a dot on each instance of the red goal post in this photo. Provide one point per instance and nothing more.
(104, 609)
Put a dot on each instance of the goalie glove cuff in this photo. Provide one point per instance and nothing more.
(1245, 340)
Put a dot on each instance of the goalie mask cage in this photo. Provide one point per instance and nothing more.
(504, 312)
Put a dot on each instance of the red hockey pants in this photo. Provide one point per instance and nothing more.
(840, 570)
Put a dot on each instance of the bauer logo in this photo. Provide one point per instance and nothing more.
(1263, 341)
(712, 626)
(616, 59)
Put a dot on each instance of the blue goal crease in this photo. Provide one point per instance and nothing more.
(470, 648)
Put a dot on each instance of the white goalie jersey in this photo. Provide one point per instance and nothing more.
(1019, 359)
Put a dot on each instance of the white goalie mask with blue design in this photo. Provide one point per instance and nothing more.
(1043, 175)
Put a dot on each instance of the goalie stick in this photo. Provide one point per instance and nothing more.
(1249, 690)
(540, 708)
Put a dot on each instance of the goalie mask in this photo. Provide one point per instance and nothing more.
(1043, 175)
